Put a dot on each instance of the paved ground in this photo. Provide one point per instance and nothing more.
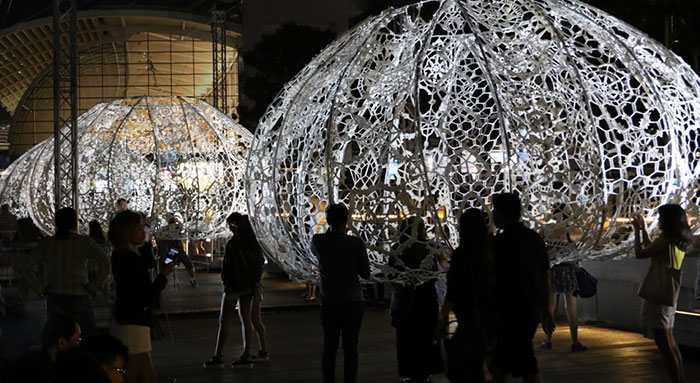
(295, 346)
(180, 298)
(295, 341)
(22, 329)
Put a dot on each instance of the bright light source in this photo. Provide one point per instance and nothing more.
(166, 155)
(444, 103)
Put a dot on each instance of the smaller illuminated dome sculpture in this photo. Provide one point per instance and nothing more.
(431, 108)
(168, 156)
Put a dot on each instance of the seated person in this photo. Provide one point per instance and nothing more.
(61, 332)
(170, 248)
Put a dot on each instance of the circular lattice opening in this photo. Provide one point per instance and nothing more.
(431, 108)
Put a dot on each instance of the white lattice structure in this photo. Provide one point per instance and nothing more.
(164, 154)
(431, 108)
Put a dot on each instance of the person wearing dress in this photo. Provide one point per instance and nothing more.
(668, 251)
(414, 308)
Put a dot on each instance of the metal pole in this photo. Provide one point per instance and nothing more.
(65, 103)
(218, 51)
(57, 54)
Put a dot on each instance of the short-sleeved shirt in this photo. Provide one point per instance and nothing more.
(65, 264)
(521, 266)
(673, 258)
(341, 260)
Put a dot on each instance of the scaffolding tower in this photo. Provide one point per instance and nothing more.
(218, 51)
(65, 103)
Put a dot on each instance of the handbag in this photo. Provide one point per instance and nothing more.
(587, 284)
(662, 284)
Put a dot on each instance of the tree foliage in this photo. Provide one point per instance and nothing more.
(279, 56)
(674, 23)
(273, 61)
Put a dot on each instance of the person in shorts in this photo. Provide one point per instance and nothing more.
(241, 274)
(668, 251)
(565, 283)
(135, 294)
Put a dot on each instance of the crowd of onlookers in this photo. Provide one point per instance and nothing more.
(500, 288)
(68, 269)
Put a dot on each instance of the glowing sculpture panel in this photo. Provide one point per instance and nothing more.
(431, 108)
(166, 155)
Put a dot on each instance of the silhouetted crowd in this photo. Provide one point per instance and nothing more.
(499, 289)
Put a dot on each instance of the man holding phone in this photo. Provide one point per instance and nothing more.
(172, 248)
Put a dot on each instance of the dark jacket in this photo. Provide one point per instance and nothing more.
(242, 265)
(470, 285)
(135, 291)
(416, 304)
(341, 260)
(521, 266)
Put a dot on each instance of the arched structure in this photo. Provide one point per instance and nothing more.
(123, 52)
(431, 108)
(166, 155)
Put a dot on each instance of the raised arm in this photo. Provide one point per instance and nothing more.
(643, 247)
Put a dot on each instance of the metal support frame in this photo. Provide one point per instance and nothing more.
(218, 51)
(65, 103)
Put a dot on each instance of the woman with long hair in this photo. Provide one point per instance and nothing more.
(469, 288)
(414, 308)
(241, 273)
(667, 251)
(135, 294)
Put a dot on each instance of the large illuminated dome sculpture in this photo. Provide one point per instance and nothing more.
(167, 155)
(431, 108)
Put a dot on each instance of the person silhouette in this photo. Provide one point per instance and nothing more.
(241, 274)
(341, 260)
(666, 252)
(521, 286)
(469, 296)
(414, 308)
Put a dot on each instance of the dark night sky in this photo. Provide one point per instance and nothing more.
(673, 22)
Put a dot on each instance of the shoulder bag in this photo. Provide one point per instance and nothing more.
(587, 284)
(662, 283)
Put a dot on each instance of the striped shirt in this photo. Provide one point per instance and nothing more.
(65, 264)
